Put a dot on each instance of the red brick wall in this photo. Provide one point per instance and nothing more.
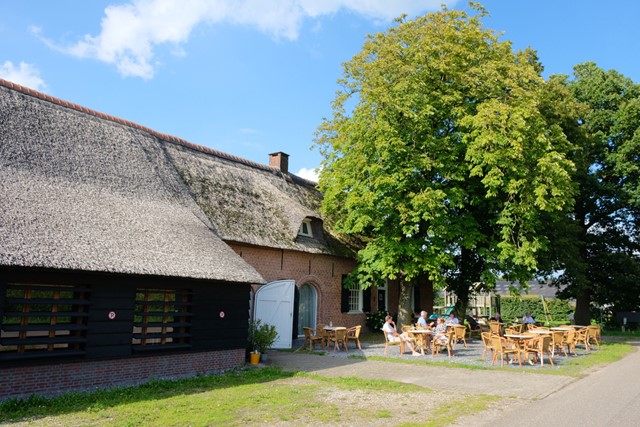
(22, 381)
(322, 271)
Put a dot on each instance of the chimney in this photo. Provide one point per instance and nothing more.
(280, 161)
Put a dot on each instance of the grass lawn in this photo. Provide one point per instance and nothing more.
(270, 396)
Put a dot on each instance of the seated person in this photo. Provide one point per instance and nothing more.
(453, 319)
(473, 323)
(496, 317)
(528, 318)
(440, 332)
(389, 328)
(424, 322)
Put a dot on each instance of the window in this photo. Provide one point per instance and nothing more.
(162, 319)
(41, 320)
(305, 228)
(355, 298)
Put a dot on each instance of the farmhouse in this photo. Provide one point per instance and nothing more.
(127, 254)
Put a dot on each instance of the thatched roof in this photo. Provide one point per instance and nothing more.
(258, 206)
(85, 191)
(89, 191)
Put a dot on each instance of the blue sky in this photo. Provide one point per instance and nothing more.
(251, 77)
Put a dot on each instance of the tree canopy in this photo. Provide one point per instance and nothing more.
(596, 243)
(443, 154)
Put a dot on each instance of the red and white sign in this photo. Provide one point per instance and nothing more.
(111, 315)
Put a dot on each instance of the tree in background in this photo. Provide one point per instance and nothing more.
(596, 244)
(439, 158)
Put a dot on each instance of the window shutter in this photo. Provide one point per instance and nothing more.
(366, 300)
(344, 301)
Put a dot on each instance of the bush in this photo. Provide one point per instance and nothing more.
(375, 320)
(513, 308)
(261, 336)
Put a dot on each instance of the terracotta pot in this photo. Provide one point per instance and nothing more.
(254, 358)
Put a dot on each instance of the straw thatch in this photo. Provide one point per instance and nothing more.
(83, 193)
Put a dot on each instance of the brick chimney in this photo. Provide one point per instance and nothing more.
(280, 161)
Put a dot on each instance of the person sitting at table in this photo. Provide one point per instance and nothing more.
(453, 319)
(527, 318)
(473, 323)
(440, 332)
(389, 328)
(423, 321)
(496, 317)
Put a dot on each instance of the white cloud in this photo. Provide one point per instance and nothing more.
(130, 32)
(310, 174)
(24, 74)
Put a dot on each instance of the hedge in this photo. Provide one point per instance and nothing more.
(514, 307)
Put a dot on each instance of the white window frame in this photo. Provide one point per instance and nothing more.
(355, 298)
(305, 228)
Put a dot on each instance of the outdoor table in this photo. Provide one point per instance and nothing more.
(560, 328)
(539, 331)
(421, 338)
(518, 339)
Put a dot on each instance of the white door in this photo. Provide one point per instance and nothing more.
(274, 305)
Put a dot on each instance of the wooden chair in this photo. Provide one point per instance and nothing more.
(594, 334)
(540, 346)
(557, 341)
(499, 345)
(518, 327)
(582, 337)
(459, 333)
(570, 341)
(486, 341)
(323, 334)
(311, 339)
(339, 339)
(477, 331)
(441, 341)
(353, 334)
(495, 328)
(387, 343)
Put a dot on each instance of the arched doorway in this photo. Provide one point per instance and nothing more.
(307, 307)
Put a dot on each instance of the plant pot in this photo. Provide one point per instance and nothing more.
(254, 358)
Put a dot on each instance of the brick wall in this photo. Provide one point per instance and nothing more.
(51, 379)
(324, 272)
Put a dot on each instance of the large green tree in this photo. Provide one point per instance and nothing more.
(439, 158)
(596, 244)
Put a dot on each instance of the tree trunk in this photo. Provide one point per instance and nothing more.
(582, 315)
(404, 303)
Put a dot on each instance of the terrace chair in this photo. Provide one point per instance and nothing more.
(311, 339)
(353, 334)
(441, 341)
(594, 334)
(557, 341)
(582, 337)
(339, 339)
(499, 345)
(486, 341)
(459, 333)
(570, 341)
(387, 343)
(540, 346)
(323, 334)
(478, 331)
(495, 328)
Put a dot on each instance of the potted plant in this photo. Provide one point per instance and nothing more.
(261, 336)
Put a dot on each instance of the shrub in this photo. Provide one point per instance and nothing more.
(261, 336)
(375, 320)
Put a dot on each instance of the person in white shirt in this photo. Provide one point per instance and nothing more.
(453, 319)
(423, 321)
(389, 328)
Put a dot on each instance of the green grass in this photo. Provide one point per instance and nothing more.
(252, 396)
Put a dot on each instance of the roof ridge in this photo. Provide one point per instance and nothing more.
(174, 139)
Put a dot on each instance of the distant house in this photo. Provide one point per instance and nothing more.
(127, 254)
